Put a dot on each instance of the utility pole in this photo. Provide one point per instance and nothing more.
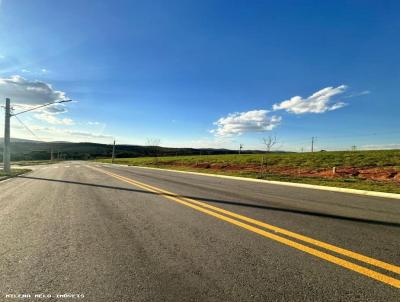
(113, 153)
(51, 155)
(6, 152)
(8, 115)
(312, 144)
(240, 148)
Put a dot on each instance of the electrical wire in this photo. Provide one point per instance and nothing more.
(27, 128)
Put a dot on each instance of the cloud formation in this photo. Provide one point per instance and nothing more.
(243, 122)
(355, 94)
(23, 91)
(51, 133)
(319, 102)
(25, 95)
(93, 123)
(55, 109)
(380, 147)
(54, 120)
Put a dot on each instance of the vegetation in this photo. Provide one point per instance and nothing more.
(316, 160)
(221, 161)
(238, 165)
(15, 172)
(35, 162)
(24, 150)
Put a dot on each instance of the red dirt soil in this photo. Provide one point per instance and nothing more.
(386, 174)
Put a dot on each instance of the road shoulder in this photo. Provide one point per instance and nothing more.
(281, 183)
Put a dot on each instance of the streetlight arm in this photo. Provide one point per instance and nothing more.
(56, 102)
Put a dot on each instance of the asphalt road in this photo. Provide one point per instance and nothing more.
(113, 233)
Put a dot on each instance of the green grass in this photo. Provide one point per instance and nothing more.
(34, 162)
(316, 160)
(351, 183)
(15, 172)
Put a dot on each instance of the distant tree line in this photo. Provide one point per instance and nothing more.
(33, 150)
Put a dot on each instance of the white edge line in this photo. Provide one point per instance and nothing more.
(2, 180)
(281, 183)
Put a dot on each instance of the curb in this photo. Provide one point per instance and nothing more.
(4, 178)
(281, 183)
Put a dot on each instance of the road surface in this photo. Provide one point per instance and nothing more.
(114, 233)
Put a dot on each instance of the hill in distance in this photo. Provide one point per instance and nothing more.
(22, 149)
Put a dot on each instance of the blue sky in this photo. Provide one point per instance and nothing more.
(205, 73)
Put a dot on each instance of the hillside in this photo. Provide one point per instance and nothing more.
(316, 160)
(35, 150)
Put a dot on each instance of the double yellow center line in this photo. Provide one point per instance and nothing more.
(239, 220)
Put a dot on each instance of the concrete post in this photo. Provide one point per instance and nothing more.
(312, 144)
(6, 152)
(113, 153)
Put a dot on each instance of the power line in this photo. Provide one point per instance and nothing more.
(27, 128)
(41, 106)
(350, 136)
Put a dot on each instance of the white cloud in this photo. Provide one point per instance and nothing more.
(355, 94)
(52, 119)
(77, 133)
(242, 122)
(23, 91)
(36, 71)
(25, 95)
(93, 123)
(89, 135)
(51, 109)
(364, 92)
(55, 109)
(380, 147)
(319, 102)
(51, 133)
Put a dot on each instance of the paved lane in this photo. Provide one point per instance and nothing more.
(73, 228)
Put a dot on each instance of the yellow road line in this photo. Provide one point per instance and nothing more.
(327, 246)
(341, 262)
(347, 253)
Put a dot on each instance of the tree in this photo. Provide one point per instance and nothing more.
(269, 142)
(154, 145)
(240, 148)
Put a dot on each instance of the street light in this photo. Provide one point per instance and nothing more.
(8, 115)
(44, 105)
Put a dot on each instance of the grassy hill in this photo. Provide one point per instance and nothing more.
(316, 160)
(35, 150)
(370, 170)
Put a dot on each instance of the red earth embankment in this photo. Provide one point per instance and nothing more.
(390, 174)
